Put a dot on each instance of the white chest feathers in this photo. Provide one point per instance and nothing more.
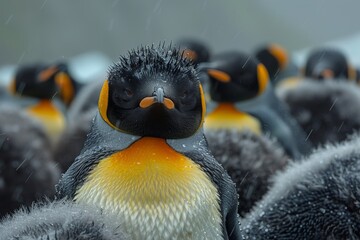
(159, 193)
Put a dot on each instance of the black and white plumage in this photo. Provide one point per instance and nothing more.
(63, 220)
(329, 111)
(318, 198)
(249, 159)
(27, 171)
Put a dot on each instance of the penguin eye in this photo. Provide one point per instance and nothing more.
(184, 94)
(123, 96)
(128, 92)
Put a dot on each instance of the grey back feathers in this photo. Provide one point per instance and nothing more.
(317, 198)
(250, 161)
(62, 220)
(276, 119)
(328, 111)
(27, 171)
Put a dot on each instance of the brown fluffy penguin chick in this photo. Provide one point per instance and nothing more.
(317, 198)
(249, 159)
(62, 220)
(27, 171)
(329, 110)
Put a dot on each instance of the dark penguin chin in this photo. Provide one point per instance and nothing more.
(156, 121)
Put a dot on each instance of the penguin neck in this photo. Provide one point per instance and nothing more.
(50, 117)
(227, 116)
(155, 189)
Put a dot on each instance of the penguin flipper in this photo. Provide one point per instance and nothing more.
(76, 175)
(226, 189)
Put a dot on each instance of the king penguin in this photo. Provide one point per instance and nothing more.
(67, 85)
(277, 62)
(328, 63)
(146, 157)
(33, 84)
(242, 97)
(194, 49)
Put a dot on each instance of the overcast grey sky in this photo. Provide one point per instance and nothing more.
(47, 30)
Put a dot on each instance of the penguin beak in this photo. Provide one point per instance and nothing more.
(158, 97)
(47, 73)
(323, 71)
(219, 75)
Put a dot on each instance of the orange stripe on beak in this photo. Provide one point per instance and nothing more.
(47, 73)
(219, 75)
(169, 103)
(148, 101)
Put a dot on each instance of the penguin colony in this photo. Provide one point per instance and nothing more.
(180, 143)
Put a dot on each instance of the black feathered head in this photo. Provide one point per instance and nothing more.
(153, 91)
(234, 77)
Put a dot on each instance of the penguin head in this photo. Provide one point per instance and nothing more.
(153, 92)
(65, 83)
(328, 63)
(235, 77)
(274, 57)
(44, 82)
(194, 50)
(34, 81)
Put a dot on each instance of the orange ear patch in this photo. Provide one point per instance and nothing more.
(280, 54)
(103, 103)
(203, 103)
(351, 73)
(67, 91)
(190, 54)
(263, 77)
(219, 75)
(12, 86)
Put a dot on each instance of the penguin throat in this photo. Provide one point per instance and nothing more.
(227, 116)
(50, 117)
(160, 193)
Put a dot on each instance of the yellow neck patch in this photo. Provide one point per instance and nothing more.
(51, 118)
(226, 116)
(290, 83)
(160, 193)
